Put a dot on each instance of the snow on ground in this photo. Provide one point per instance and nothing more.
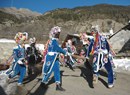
(38, 46)
(122, 64)
(6, 41)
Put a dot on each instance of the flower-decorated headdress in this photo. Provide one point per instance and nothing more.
(32, 40)
(54, 31)
(20, 38)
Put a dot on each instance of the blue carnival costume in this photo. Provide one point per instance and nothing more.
(51, 63)
(15, 59)
(19, 66)
(101, 58)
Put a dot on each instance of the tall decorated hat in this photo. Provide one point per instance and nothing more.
(20, 37)
(94, 29)
(32, 40)
(54, 31)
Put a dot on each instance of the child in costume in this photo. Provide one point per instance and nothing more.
(32, 55)
(51, 63)
(85, 42)
(100, 50)
(19, 57)
(70, 61)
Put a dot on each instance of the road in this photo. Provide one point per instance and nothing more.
(78, 82)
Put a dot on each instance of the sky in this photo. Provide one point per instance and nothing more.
(43, 6)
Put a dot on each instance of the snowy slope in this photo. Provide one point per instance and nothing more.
(122, 64)
(6, 41)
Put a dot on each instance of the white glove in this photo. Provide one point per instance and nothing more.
(100, 50)
(67, 53)
(87, 57)
(20, 62)
(105, 51)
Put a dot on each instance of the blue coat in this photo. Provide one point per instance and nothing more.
(53, 50)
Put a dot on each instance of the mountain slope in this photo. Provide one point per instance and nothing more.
(16, 15)
(5, 17)
(22, 12)
(102, 11)
(76, 20)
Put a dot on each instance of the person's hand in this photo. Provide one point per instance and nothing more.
(99, 50)
(87, 57)
(68, 54)
(20, 62)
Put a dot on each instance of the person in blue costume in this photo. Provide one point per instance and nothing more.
(51, 63)
(100, 49)
(19, 66)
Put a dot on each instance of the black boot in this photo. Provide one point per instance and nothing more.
(70, 66)
(43, 85)
(59, 88)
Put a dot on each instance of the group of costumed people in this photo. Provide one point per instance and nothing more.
(97, 46)
(23, 59)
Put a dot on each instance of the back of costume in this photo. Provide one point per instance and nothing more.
(51, 61)
(100, 49)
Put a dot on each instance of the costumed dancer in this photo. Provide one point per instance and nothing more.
(32, 55)
(51, 63)
(100, 50)
(19, 57)
(70, 61)
(83, 50)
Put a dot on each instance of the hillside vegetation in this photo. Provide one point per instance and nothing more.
(5, 17)
(118, 13)
(75, 20)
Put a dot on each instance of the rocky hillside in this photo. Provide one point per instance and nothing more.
(22, 12)
(79, 19)
(16, 15)
(120, 41)
(12, 16)
(76, 20)
(102, 11)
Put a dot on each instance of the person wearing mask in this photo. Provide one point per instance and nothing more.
(100, 49)
(32, 54)
(51, 63)
(19, 58)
